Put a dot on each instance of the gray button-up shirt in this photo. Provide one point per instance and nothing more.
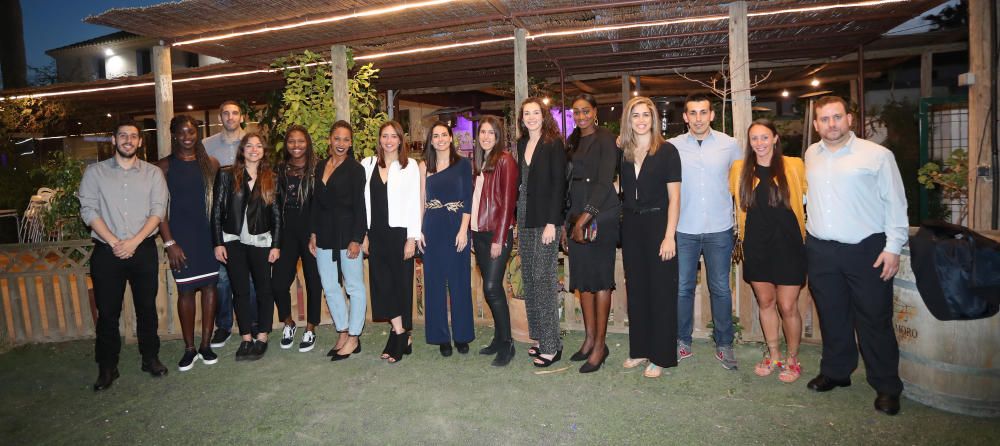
(224, 151)
(706, 204)
(123, 198)
(855, 192)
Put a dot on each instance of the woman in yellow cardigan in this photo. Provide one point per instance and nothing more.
(768, 189)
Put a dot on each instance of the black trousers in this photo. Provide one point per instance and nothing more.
(851, 298)
(110, 274)
(295, 245)
(246, 262)
(390, 276)
(493, 271)
(651, 286)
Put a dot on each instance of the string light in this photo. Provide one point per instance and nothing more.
(814, 82)
(784, 93)
(267, 29)
(438, 47)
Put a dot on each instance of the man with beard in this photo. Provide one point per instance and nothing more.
(223, 146)
(856, 228)
(123, 199)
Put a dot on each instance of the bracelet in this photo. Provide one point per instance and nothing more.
(169, 243)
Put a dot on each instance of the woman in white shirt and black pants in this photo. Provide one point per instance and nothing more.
(393, 205)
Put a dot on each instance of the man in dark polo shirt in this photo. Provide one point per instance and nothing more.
(123, 199)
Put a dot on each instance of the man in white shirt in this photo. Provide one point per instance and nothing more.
(223, 147)
(705, 226)
(857, 226)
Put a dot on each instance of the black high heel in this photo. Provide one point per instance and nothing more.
(398, 348)
(581, 355)
(587, 367)
(547, 362)
(388, 344)
(337, 356)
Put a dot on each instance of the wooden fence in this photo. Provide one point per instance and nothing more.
(46, 294)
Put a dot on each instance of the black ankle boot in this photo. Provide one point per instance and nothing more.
(491, 349)
(505, 353)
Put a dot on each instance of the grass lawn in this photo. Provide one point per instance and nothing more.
(302, 398)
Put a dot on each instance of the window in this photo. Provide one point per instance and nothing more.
(143, 61)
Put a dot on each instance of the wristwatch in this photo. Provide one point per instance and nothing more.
(169, 243)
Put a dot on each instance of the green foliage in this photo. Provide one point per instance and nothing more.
(903, 139)
(62, 218)
(952, 179)
(307, 100)
(29, 115)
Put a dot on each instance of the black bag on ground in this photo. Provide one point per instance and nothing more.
(957, 271)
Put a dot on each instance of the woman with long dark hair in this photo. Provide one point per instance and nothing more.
(593, 160)
(494, 199)
(338, 229)
(393, 203)
(651, 187)
(187, 235)
(768, 188)
(447, 269)
(542, 162)
(296, 180)
(246, 224)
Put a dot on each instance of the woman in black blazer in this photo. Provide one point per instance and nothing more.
(542, 162)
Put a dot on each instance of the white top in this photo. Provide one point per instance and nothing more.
(706, 204)
(246, 238)
(477, 194)
(221, 149)
(855, 192)
(403, 190)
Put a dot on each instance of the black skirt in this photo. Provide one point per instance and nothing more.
(773, 250)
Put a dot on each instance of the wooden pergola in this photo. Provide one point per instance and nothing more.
(442, 46)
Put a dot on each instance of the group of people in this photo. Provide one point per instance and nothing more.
(667, 203)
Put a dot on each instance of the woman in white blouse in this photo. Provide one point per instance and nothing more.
(393, 206)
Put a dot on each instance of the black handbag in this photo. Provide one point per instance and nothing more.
(957, 271)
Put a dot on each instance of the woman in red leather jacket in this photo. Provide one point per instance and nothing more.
(494, 199)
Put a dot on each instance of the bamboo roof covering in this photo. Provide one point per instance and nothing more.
(638, 36)
(812, 34)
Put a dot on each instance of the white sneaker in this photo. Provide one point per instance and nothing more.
(288, 336)
(308, 341)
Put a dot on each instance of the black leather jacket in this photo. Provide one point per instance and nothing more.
(228, 208)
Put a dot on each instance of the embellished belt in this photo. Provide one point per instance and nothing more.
(453, 206)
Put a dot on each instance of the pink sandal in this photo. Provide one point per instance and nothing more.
(791, 370)
(766, 366)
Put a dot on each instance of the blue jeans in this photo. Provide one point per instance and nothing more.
(224, 301)
(354, 282)
(717, 248)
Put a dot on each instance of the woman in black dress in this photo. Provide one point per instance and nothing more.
(393, 201)
(768, 189)
(651, 187)
(187, 236)
(593, 159)
(296, 179)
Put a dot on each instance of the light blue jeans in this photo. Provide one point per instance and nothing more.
(717, 248)
(354, 282)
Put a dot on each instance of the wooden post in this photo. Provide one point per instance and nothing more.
(208, 125)
(562, 100)
(341, 99)
(739, 70)
(390, 99)
(980, 119)
(926, 74)
(626, 91)
(520, 74)
(860, 130)
(164, 92)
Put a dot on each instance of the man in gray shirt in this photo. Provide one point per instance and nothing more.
(223, 147)
(123, 199)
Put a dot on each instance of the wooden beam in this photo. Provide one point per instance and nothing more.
(341, 99)
(520, 74)
(926, 75)
(980, 118)
(164, 94)
(584, 87)
(739, 71)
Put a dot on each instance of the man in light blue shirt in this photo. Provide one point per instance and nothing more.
(856, 228)
(705, 226)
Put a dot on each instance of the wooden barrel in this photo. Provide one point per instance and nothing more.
(950, 365)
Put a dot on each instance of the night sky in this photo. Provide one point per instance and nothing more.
(54, 23)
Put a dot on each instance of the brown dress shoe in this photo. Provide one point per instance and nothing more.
(887, 404)
(154, 367)
(105, 378)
